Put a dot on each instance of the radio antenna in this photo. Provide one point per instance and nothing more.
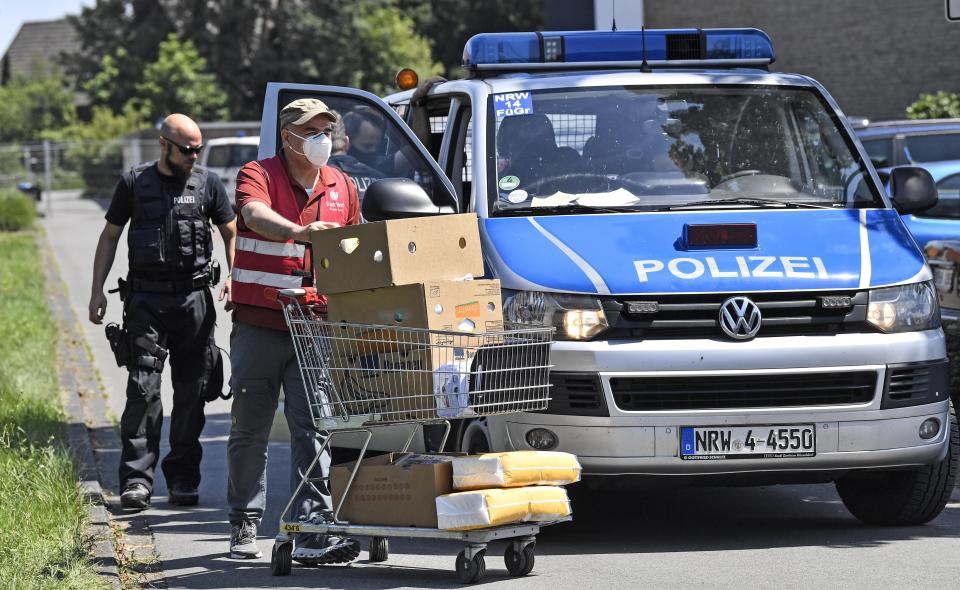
(644, 66)
(614, 15)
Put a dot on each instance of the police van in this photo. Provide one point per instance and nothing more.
(735, 296)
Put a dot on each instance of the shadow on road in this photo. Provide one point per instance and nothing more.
(606, 523)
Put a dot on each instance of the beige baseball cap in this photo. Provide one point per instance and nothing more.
(302, 110)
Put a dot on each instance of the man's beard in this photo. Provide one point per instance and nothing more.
(181, 172)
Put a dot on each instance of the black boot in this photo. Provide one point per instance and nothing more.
(135, 495)
(182, 493)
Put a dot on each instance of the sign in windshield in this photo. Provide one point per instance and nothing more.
(593, 149)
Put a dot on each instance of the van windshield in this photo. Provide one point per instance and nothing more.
(649, 149)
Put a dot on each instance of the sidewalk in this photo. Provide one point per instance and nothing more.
(192, 543)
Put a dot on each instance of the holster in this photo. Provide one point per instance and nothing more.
(156, 357)
(212, 373)
(119, 343)
(213, 271)
(123, 288)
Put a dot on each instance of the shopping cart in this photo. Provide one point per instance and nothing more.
(361, 377)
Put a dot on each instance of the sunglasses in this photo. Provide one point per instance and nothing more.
(186, 151)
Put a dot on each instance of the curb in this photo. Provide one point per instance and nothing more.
(79, 390)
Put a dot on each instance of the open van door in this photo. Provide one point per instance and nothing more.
(379, 139)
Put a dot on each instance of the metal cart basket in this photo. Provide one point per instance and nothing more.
(359, 377)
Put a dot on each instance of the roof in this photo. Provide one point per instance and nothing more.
(247, 139)
(38, 42)
(938, 170)
(512, 82)
(906, 127)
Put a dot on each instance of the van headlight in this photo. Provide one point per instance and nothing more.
(906, 308)
(576, 317)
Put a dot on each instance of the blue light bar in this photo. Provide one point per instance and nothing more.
(581, 49)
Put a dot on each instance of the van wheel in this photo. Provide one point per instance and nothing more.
(909, 497)
(475, 439)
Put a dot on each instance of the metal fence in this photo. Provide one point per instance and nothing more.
(92, 167)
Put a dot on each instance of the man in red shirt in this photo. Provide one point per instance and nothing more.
(281, 200)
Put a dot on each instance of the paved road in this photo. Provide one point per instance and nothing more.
(784, 537)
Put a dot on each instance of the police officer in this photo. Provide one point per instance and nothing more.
(361, 174)
(168, 306)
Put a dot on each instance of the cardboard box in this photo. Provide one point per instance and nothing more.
(461, 306)
(394, 489)
(396, 252)
(409, 374)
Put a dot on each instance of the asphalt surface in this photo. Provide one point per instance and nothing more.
(783, 537)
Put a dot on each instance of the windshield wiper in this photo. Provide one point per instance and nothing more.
(744, 201)
(572, 208)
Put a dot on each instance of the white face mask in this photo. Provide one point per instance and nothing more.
(316, 149)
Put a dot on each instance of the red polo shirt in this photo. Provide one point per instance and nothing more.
(253, 184)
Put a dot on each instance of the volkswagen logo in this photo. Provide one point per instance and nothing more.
(739, 318)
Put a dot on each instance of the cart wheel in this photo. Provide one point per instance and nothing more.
(471, 571)
(379, 549)
(280, 559)
(519, 563)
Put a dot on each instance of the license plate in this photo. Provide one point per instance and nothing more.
(710, 443)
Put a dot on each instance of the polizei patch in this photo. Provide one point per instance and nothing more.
(185, 200)
(800, 267)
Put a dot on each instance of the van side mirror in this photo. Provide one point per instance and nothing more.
(912, 189)
(398, 198)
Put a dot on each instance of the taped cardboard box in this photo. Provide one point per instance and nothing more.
(412, 374)
(394, 489)
(396, 252)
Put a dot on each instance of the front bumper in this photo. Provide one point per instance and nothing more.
(853, 436)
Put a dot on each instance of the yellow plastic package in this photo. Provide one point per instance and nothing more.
(515, 469)
(463, 511)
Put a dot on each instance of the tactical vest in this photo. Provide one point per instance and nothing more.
(169, 234)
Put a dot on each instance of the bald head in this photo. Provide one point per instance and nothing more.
(181, 129)
(180, 142)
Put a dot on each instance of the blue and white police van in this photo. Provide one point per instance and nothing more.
(735, 296)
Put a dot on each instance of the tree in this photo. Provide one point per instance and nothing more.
(941, 105)
(448, 24)
(31, 104)
(122, 36)
(248, 43)
(96, 151)
(178, 82)
(385, 44)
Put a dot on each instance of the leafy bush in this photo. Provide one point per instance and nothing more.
(942, 105)
(17, 211)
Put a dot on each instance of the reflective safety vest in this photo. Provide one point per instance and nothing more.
(260, 262)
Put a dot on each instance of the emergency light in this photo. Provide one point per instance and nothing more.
(598, 49)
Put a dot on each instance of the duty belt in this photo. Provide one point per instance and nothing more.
(170, 286)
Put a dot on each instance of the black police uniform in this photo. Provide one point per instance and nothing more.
(168, 306)
(361, 174)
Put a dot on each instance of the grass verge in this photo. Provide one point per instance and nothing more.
(43, 516)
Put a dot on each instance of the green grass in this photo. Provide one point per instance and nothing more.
(43, 516)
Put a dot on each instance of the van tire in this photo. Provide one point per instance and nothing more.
(904, 498)
(475, 439)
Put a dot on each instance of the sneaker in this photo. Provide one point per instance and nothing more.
(135, 495)
(324, 549)
(243, 541)
(183, 493)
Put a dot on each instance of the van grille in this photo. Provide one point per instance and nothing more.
(779, 390)
(576, 394)
(913, 384)
(696, 316)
